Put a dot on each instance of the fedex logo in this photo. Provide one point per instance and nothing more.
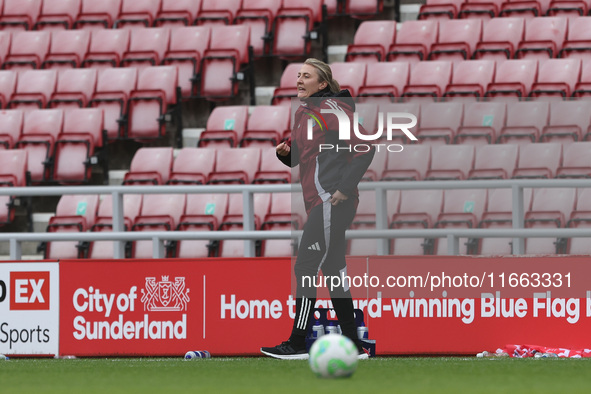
(29, 290)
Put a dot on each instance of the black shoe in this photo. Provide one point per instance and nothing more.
(285, 351)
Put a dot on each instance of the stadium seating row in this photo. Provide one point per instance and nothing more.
(57, 145)
(476, 208)
(208, 58)
(407, 209)
(165, 212)
(134, 101)
(462, 123)
(282, 28)
(497, 39)
(470, 80)
(449, 9)
(158, 166)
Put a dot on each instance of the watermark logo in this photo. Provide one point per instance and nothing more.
(389, 125)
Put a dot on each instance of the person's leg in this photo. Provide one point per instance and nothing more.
(336, 265)
(311, 252)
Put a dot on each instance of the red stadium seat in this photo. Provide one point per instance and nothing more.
(33, 89)
(411, 164)
(538, 160)
(203, 212)
(221, 65)
(499, 215)
(58, 14)
(261, 205)
(439, 122)
(428, 79)
(371, 42)
(470, 79)
(152, 100)
(20, 14)
(281, 216)
(225, 126)
(482, 9)
(418, 209)
(272, 170)
(150, 166)
(28, 50)
(76, 146)
(451, 162)
(514, 79)
(363, 9)
(13, 168)
(580, 217)
(482, 123)
(192, 166)
(568, 8)
(576, 161)
(240, 170)
(218, 12)
(68, 49)
(569, 122)
(5, 38)
(551, 208)
(176, 13)
(136, 13)
(98, 14)
(266, 125)
(107, 47)
(11, 128)
(556, 78)
(525, 8)
(40, 131)
(385, 79)
(408, 108)
(186, 49)
(413, 41)
(74, 213)
(287, 85)
(457, 40)
(525, 122)
(367, 115)
(578, 38)
(113, 90)
(132, 204)
(462, 208)
(500, 39)
(7, 86)
(294, 27)
(440, 9)
(260, 16)
(377, 167)
(496, 161)
(350, 75)
(583, 87)
(75, 88)
(146, 47)
(544, 38)
(160, 212)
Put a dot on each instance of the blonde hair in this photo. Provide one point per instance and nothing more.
(324, 74)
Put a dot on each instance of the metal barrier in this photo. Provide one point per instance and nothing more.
(249, 235)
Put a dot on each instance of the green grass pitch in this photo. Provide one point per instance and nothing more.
(264, 375)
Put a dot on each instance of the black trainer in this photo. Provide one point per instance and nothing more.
(286, 351)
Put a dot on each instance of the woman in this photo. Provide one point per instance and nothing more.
(330, 170)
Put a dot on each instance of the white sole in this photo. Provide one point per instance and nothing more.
(364, 356)
(303, 356)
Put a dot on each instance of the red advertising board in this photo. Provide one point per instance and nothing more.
(235, 306)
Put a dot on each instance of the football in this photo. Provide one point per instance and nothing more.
(333, 356)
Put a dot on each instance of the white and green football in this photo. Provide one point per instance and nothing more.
(333, 356)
